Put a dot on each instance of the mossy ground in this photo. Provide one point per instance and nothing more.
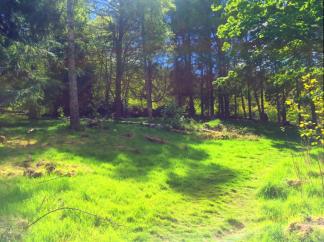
(189, 189)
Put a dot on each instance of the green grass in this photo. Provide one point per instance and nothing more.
(189, 189)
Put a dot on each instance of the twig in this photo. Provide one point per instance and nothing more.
(42, 203)
(49, 180)
(73, 209)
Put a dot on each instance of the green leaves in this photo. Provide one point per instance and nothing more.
(226, 46)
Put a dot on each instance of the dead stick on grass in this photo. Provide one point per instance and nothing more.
(155, 139)
(42, 203)
(49, 180)
(72, 209)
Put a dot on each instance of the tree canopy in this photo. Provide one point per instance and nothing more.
(231, 59)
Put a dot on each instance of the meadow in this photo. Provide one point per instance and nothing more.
(110, 183)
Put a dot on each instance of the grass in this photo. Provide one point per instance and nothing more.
(188, 189)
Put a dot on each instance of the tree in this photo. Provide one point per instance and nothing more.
(26, 44)
(276, 44)
(73, 88)
(154, 34)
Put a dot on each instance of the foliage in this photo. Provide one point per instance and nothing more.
(311, 130)
(277, 41)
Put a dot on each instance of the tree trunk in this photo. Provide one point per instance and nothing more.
(298, 100)
(235, 105)
(73, 86)
(211, 101)
(243, 105)
(108, 81)
(262, 98)
(192, 110)
(221, 109)
(147, 71)
(278, 110)
(202, 107)
(227, 106)
(263, 116)
(210, 83)
(189, 75)
(313, 112)
(249, 103)
(256, 97)
(119, 67)
(148, 85)
(284, 109)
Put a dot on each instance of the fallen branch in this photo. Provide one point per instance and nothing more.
(209, 131)
(125, 148)
(155, 140)
(49, 180)
(181, 131)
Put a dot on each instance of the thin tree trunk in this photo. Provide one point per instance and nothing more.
(148, 85)
(311, 103)
(278, 110)
(108, 81)
(262, 98)
(202, 107)
(73, 86)
(284, 109)
(235, 105)
(221, 106)
(210, 83)
(147, 72)
(249, 103)
(227, 106)
(298, 100)
(313, 112)
(189, 75)
(192, 111)
(125, 106)
(256, 97)
(119, 37)
(243, 105)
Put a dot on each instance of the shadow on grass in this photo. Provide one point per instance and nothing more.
(132, 157)
(11, 192)
(135, 157)
(202, 180)
(269, 130)
(282, 137)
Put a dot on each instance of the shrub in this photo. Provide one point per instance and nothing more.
(173, 116)
(60, 112)
(31, 100)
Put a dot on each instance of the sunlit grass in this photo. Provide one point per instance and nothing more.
(189, 188)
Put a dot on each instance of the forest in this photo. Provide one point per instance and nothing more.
(161, 120)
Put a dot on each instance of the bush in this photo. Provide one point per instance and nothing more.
(173, 116)
(60, 113)
(31, 100)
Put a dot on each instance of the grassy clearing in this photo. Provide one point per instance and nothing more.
(189, 189)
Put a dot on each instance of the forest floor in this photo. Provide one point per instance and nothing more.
(114, 183)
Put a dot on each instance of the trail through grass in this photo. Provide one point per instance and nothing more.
(188, 189)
